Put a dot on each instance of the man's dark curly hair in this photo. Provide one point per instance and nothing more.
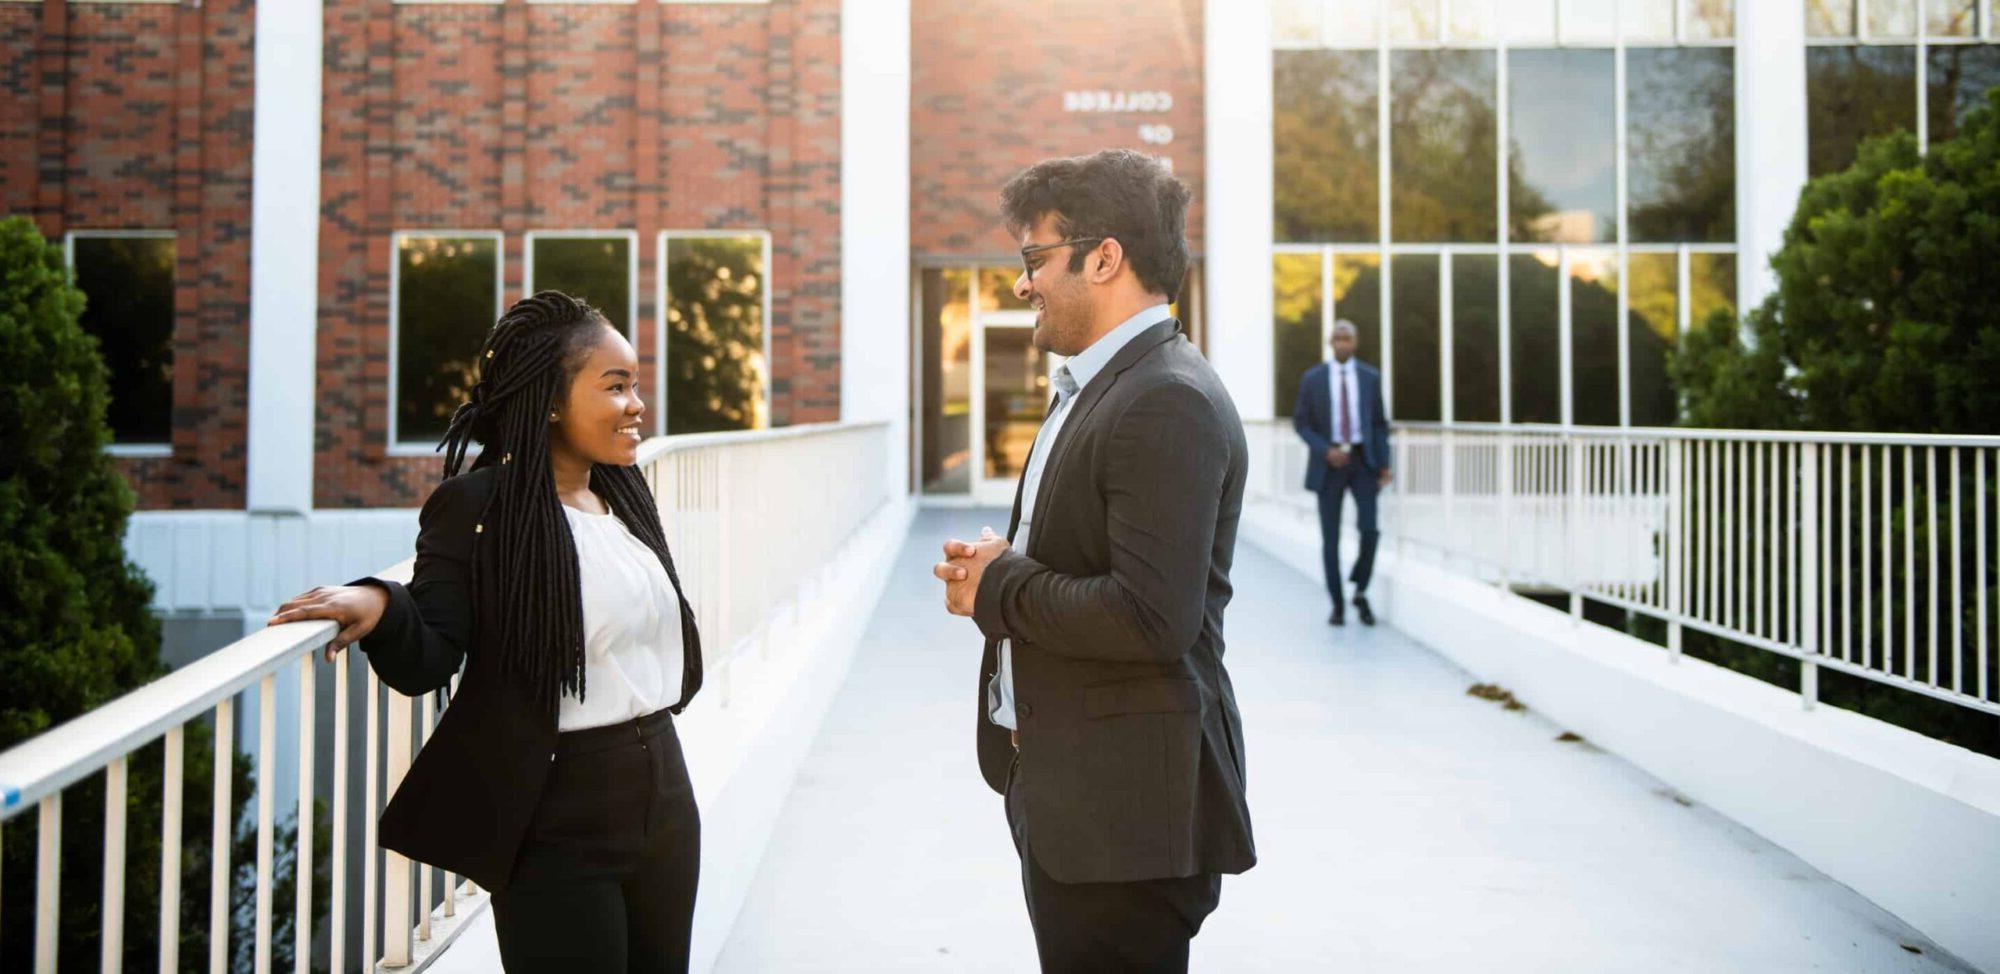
(1118, 193)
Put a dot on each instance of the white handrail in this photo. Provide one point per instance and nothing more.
(806, 488)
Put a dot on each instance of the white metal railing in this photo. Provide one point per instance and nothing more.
(1869, 554)
(728, 501)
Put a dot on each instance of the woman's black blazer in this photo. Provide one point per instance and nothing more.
(472, 790)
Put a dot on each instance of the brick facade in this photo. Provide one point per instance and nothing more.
(137, 117)
(508, 117)
(988, 80)
(512, 117)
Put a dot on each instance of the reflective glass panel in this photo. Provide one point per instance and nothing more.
(596, 269)
(1680, 145)
(1441, 144)
(1959, 76)
(1711, 19)
(715, 334)
(1589, 21)
(947, 381)
(1950, 18)
(1652, 327)
(1295, 21)
(1711, 286)
(996, 284)
(1353, 23)
(1853, 93)
(446, 292)
(1593, 337)
(1017, 398)
(1324, 150)
(1647, 20)
(1475, 338)
(1357, 299)
(1829, 18)
(1413, 366)
(1534, 338)
(1472, 22)
(1413, 20)
(1563, 175)
(1528, 21)
(1892, 18)
(128, 289)
(1297, 300)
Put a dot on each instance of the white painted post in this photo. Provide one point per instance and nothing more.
(1238, 222)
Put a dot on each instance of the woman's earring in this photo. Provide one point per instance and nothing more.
(552, 418)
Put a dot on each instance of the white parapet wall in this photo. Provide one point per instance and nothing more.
(1907, 821)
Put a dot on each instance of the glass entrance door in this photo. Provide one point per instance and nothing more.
(1010, 395)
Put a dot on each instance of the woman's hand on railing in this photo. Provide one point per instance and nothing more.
(356, 609)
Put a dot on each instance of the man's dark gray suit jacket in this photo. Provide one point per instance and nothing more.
(1131, 746)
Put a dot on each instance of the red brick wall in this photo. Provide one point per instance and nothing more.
(986, 101)
(516, 118)
(138, 117)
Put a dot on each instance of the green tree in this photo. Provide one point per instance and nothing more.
(77, 631)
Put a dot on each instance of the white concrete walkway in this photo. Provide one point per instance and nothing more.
(1401, 824)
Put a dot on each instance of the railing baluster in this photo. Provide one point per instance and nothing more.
(1909, 562)
(221, 829)
(371, 807)
(302, 861)
(1846, 552)
(48, 883)
(1979, 559)
(111, 946)
(170, 850)
(267, 767)
(1957, 573)
(337, 923)
(1931, 572)
(1805, 587)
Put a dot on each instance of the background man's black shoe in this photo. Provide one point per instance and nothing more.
(1336, 619)
(1361, 606)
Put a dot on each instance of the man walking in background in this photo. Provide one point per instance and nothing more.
(1339, 414)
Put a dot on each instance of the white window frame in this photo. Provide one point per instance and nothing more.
(631, 238)
(1984, 32)
(660, 308)
(70, 238)
(397, 448)
(1561, 38)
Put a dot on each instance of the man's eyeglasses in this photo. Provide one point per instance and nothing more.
(1026, 252)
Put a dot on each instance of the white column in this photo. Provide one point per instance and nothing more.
(284, 255)
(1237, 196)
(1770, 137)
(875, 322)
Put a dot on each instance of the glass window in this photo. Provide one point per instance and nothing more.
(1652, 328)
(1475, 338)
(1534, 338)
(1711, 20)
(1853, 93)
(1528, 21)
(1472, 22)
(947, 383)
(597, 269)
(1296, 309)
(1593, 337)
(1413, 382)
(128, 289)
(1830, 18)
(1295, 21)
(1357, 299)
(1353, 22)
(1589, 21)
(1680, 147)
(1892, 18)
(1413, 20)
(715, 333)
(1950, 18)
(1563, 175)
(1711, 286)
(1325, 185)
(1441, 144)
(447, 295)
(1959, 75)
(996, 287)
(1647, 20)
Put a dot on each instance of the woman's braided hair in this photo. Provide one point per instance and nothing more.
(527, 596)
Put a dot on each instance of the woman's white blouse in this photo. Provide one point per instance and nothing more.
(631, 626)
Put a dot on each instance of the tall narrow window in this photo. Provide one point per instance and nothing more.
(1475, 338)
(1593, 337)
(445, 293)
(1442, 128)
(127, 280)
(1297, 303)
(1680, 146)
(1652, 329)
(1854, 93)
(717, 303)
(1414, 392)
(1324, 146)
(600, 268)
(1562, 159)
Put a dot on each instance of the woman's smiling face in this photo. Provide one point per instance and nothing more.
(601, 419)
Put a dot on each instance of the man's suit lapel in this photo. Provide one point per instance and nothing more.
(1086, 402)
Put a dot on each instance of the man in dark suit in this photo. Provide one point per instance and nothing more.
(1347, 440)
(1105, 715)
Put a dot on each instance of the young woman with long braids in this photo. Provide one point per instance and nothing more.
(555, 778)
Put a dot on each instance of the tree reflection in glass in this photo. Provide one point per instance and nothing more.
(1324, 146)
(1853, 93)
(715, 334)
(947, 382)
(1593, 337)
(1652, 328)
(1414, 371)
(1959, 75)
(1296, 300)
(1475, 338)
(596, 269)
(1534, 338)
(445, 299)
(1561, 123)
(128, 289)
(1680, 145)
(1442, 126)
